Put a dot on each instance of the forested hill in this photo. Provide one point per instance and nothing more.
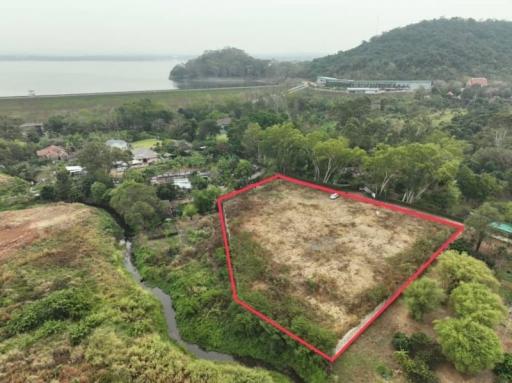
(231, 63)
(443, 49)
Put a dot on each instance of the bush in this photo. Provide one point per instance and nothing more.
(426, 349)
(470, 346)
(419, 346)
(422, 296)
(479, 303)
(384, 371)
(503, 370)
(189, 210)
(59, 305)
(416, 370)
(204, 200)
(48, 193)
(83, 328)
(401, 342)
(455, 267)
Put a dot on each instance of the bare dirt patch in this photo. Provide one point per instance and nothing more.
(331, 252)
(20, 228)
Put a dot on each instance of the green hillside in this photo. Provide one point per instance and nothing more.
(232, 63)
(443, 49)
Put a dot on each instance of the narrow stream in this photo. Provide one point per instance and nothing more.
(170, 314)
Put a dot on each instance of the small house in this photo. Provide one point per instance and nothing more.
(223, 123)
(503, 231)
(477, 81)
(145, 156)
(117, 144)
(75, 170)
(53, 152)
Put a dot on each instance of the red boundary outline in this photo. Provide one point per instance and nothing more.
(400, 209)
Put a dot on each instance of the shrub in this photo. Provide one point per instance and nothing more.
(189, 210)
(479, 303)
(59, 305)
(204, 200)
(470, 346)
(416, 370)
(419, 346)
(376, 295)
(384, 371)
(454, 268)
(422, 296)
(48, 193)
(84, 328)
(425, 348)
(401, 342)
(503, 370)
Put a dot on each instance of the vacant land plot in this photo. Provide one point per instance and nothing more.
(335, 260)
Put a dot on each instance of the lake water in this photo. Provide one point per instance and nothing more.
(17, 78)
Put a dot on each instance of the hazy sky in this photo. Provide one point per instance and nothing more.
(191, 26)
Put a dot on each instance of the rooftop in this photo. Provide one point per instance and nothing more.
(503, 227)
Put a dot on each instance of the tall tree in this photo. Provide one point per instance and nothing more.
(480, 219)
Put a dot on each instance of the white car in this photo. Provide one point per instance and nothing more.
(334, 196)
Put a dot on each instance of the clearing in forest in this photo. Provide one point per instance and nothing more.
(322, 270)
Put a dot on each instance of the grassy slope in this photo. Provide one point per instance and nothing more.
(40, 108)
(119, 334)
(145, 144)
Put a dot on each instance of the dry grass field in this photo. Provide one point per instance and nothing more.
(338, 257)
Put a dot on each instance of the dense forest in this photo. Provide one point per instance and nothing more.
(232, 63)
(441, 49)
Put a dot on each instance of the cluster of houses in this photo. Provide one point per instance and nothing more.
(141, 157)
(180, 179)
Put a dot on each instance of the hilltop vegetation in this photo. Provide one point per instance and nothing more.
(68, 311)
(441, 49)
(444, 49)
(231, 63)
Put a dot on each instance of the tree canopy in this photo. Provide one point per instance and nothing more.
(442, 49)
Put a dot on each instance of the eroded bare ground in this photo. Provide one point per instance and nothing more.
(20, 228)
(342, 246)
